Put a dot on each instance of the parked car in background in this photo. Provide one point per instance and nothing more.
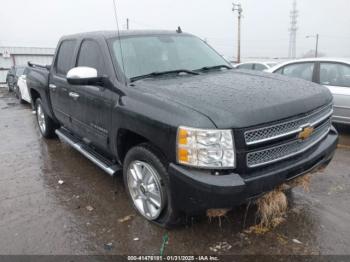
(12, 76)
(258, 66)
(332, 73)
(21, 88)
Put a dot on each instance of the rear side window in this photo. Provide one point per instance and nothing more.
(300, 70)
(91, 55)
(259, 67)
(335, 74)
(19, 71)
(245, 66)
(65, 59)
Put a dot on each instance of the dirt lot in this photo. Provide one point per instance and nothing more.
(40, 216)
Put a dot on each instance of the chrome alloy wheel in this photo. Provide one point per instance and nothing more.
(145, 189)
(41, 118)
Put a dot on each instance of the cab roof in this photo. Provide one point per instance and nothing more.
(123, 33)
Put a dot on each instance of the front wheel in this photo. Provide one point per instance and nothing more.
(146, 181)
(45, 123)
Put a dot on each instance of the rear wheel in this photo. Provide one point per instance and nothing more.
(45, 123)
(146, 181)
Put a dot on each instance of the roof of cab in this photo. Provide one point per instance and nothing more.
(122, 33)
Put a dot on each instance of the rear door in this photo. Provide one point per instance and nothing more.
(92, 109)
(59, 87)
(336, 76)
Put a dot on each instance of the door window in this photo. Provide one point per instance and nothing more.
(300, 70)
(259, 67)
(279, 71)
(334, 74)
(90, 55)
(65, 59)
(19, 71)
(245, 66)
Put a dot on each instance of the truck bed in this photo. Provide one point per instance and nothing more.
(38, 86)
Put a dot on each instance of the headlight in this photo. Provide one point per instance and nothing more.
(211, 148)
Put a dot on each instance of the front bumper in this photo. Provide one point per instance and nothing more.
(193, 190)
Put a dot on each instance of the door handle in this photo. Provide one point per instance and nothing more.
(73, 95)
(52, 87)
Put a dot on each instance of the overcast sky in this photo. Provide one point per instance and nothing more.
(264, 26)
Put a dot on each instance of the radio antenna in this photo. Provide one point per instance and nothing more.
(118, 32)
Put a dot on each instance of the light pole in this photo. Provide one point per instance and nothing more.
(238, 8)
(317, 37)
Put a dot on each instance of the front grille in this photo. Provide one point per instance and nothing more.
(289, 149)
(287, 128)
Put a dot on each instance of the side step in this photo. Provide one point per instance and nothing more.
(105, 164)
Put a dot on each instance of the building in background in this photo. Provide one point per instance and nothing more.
(19, 56)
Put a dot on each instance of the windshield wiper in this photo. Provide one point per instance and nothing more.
(207, 68)
(153, 74)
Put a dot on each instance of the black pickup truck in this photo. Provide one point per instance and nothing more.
(188, 132)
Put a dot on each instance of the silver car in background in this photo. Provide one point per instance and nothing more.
(257, 66)
(332, 73)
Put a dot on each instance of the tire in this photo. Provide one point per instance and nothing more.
(146, 157)
(45, 123)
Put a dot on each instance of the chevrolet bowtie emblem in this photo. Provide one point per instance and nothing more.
(306, 132)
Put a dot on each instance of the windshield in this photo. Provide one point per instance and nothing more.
(143, 55)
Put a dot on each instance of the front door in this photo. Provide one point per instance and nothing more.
(92, 105)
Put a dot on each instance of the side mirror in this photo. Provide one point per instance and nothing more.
(84, 76)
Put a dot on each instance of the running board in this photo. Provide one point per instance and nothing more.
(105, 164)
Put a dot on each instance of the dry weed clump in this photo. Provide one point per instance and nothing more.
(272, 208)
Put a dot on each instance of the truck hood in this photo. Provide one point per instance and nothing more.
(239, 98)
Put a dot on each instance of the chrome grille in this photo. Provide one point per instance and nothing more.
(286, 128)
(280, 152)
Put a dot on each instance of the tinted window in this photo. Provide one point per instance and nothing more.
(245, 66)
(300, 70)
(19, 71)
(334, 74)
(65, 59)
(90, 55)
(260, 67)
(12, 71)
